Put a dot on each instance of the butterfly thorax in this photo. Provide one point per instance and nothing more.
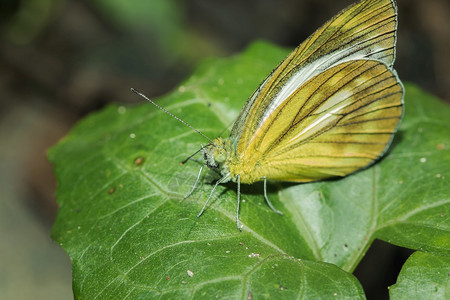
(221, 156)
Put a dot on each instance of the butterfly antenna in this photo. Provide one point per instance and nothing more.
(171, 114)
(192, 155)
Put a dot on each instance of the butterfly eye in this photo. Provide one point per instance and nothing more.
(208, 153)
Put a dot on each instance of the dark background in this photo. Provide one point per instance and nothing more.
(60, 60)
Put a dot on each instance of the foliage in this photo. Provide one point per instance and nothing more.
(129, 232)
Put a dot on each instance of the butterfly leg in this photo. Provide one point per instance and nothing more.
(238, 201)
(195, 184)
(267, 198)
(223, 179)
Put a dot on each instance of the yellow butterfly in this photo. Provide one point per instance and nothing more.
(328, 109)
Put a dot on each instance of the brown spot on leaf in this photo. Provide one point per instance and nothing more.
(138, 161)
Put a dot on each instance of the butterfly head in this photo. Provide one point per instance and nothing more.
(215, 153)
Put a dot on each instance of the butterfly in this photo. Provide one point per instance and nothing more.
(330, 108)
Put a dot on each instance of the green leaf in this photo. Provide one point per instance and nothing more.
(424, 276)
(129, 232)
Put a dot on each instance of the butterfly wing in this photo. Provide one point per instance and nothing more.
(365, 30)
(339, 121)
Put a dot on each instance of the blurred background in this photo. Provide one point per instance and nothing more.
(62, 59)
